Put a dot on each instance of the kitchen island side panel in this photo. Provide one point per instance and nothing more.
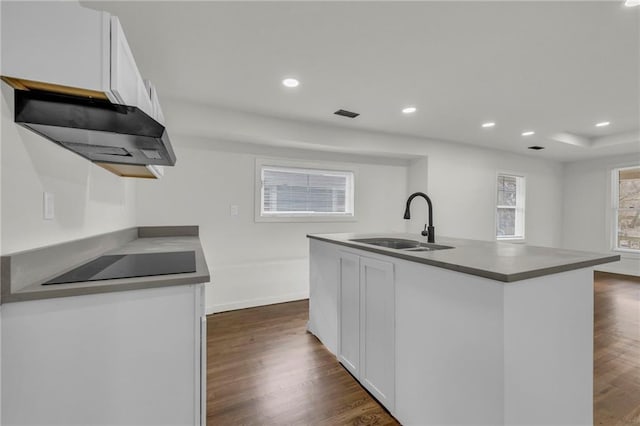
(449, 347)
(548, 349)
(324, 277)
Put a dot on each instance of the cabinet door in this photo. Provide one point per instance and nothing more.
(155, 102)
(349, 313)
(377, 330)
(121, 358)
(55, 43)
(126, 83)
(201, 380)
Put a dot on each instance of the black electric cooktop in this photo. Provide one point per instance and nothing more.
(130, 266)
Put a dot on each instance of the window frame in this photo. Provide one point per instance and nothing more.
(613, 210)
(521, 191)
(329, 167)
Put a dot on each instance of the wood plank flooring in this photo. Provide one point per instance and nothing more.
(264, 368)
(616, 357)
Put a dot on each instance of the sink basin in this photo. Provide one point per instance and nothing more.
(402, 244)
(429, 247)
(396, 243)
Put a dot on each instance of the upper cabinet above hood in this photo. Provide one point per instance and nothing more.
(77, 83)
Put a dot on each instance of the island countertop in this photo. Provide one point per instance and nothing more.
(23, 273)
(500, 261)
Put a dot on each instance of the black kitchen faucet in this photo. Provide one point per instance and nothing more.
(429, 231)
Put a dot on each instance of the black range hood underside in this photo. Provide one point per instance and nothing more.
(95, 129)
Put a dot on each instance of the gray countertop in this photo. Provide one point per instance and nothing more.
(23, 273)
(500, 261)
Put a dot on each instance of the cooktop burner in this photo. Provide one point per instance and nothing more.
(130, 266)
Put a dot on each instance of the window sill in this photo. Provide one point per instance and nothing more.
(304, 219)
(515, 240)
(627, 253)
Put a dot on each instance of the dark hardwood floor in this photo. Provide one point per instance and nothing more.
(264, 368)
(616, 357)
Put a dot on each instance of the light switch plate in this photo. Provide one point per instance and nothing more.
(48, 206)
(233, 210)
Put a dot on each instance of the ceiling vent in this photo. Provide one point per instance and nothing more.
(536, 147)
(346, 113)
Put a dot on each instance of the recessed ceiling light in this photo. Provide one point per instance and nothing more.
(603, 124)
(409, 110)
(528, 133)
(631, 3)
(290, 82)
(536, 147)
(489, 124)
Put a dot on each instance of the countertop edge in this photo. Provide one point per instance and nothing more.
(114, 240)
(109, 288)
(496, 276)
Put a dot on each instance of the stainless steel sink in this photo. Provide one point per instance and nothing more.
(429, 247)
(402, 244)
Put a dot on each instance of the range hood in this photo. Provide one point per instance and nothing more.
(120, 138)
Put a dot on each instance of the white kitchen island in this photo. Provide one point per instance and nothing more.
(482, 333)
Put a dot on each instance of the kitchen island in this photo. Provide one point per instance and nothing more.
(478, 333)
(110, 351)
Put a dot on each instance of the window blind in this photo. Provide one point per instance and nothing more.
(291, 191)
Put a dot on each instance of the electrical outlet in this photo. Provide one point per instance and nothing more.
(48, 206)
(233, 210)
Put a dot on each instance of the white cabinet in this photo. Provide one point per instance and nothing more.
(59, 43)
(125, 358)
(377, 330)
(352, 310)
(366, 324)
(66, 48)
(126, 84)
(349, 313)
(155, 102)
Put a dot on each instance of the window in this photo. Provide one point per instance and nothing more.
(510, 207)
(305, 193)
(626, 205)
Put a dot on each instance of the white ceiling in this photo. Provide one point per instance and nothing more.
(551, 67)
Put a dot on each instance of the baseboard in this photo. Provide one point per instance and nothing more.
(629, 264)
(624, 269)
(243, 304)
(604, 274)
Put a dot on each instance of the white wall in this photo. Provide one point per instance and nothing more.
(88, 199)
(417, 181)
(460, 178)
(462, 185)
(255, 263)
(461, 182)
(588, 209)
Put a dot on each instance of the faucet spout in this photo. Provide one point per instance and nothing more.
(430, 232)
